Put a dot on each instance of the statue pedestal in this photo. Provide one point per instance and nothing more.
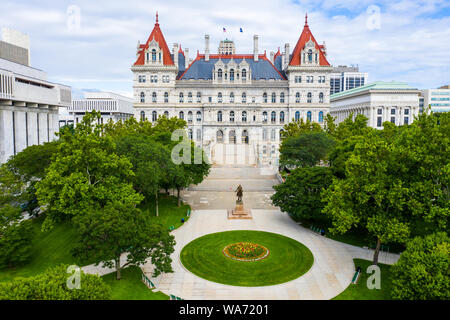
(239, 212)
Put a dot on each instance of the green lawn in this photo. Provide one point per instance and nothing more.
(360, 291)
(54, 247)
(169, 213)
(130, 287)
(288, 259)
(48, 249)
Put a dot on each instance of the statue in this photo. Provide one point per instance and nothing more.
(239, 192)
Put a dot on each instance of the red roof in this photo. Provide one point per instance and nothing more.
(277, 54)
(158, 37)
(304, 38)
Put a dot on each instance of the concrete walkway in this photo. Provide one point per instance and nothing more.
(330, 274)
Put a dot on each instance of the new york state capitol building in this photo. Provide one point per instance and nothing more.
(235, 104)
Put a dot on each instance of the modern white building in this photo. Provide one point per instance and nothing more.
(437, 99)
(111, 106)
(28, 101)
(235, 104)
(345, 78)
(380, 101)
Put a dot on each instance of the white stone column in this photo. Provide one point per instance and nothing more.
(20, 131)
(6, 143)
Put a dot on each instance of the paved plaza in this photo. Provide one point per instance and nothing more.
(330, 274)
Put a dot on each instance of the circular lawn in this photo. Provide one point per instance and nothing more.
(286, 261)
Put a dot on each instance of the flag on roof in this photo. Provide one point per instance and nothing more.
(224, 30)
(240, 29)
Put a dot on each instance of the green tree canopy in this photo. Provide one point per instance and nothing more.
(118, 229)
(52, 285)
(422, 272)
(300, 194)
(86, 174)
(305, 149)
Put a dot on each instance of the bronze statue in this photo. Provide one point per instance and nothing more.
(239, 192)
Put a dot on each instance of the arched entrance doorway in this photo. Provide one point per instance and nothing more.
(232, 137)
(245, 138)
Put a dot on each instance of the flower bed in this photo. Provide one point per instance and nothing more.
(245, 251)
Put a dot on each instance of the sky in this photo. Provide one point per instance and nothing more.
(91, 45)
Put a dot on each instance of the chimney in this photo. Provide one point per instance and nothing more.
(287, 55)
(175, 54)
(207, 47)
(272, 55)
(255, 47)
(186, 58)
(324, 49)
(283, 56)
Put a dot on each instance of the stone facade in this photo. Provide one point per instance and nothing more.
(235, 104)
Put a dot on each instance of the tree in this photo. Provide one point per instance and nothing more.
(15, 234)
(371, 195)
(305, 149)
(52, 285)
(422, 272)
(32, 162)
(150, 161)
(86, 174)
(15, 237)
(118, 229)
(300, 194)
(295, 128)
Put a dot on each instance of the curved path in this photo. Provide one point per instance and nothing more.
(330, 274)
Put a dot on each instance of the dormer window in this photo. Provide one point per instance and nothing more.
(310, 56)
(153, 55)
(219, 75)
(244, 75)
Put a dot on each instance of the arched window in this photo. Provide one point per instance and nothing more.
(190, 97)
(282, 117)
(244, 75)
(274, 97)
(190, 134)
(199, 97)
(219, 97)
(166, 97)
(232, 137)
(199, 134)
(273, 135)
(231, 97)
(231, 116)
(309, 97)
(154, 97)
(321, 116)
(265, 97)
(282, 97)
(154, 55)
(181, 97)
(244, 116)
(199, 116)
(219, 116)
(297, 116)
(264, 117)
(142, 116)
(154, 116)
(321, 97)
(232, 75)
(181, 115)
(310, 56)
(245, 137)
(219, 74)
(309, 116)
(142, 97)
(166, 114)
(297, 97)
(220, 136)
(244, 97)
(273, 117)
(190, 117)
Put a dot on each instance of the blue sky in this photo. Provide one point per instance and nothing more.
(408, 41)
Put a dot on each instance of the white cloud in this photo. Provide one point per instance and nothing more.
(411, 43)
